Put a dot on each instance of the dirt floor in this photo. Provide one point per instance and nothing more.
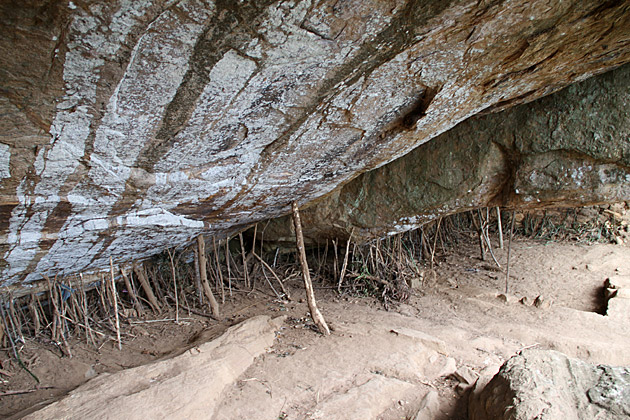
(376, 364)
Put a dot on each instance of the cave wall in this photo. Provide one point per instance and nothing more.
(132, 126)
(571, 148)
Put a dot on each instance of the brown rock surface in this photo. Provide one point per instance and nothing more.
(132, 126)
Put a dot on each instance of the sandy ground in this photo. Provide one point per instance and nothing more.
(376, 364)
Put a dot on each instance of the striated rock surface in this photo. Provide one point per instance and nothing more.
(547, 385)
(129, 126)
(569, 148)
(154, 391)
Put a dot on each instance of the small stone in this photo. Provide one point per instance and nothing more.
(462, 388)
(542, 303)
(466, 376)
(90, 373)
(526, 301)
(609, 293)
(415, 282)
(138, 330)
(449, 368)
(505, 298)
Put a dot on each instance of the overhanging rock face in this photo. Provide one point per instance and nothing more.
(132, 126)
(569, 148)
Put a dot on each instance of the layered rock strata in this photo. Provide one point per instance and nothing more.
(131, 126)
(571, 148)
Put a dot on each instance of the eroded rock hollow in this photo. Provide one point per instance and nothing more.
(132, 126)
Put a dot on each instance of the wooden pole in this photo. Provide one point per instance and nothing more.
(500, 227)
(88, 330)
(308, 285)
(198, 278)
(201, 246)
(144, 282)
(228, 254)
(115, 295)
(344, 267)
(507, 271)
(170, 256)
(245, 273)
(132, 294)
(437, 231)
(216, 258)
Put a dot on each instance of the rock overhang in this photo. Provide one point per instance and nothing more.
(131, 127)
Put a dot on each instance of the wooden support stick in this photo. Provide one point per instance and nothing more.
(344, 267)
(507, 271)
(170, 256)
(228, 254)
(88, 331)
(144, 282)
(245, 273)
(437, 231)
(32, 307)
(52, 298)
(115, 295)
(500, 227)
(214, 305)
(216, 258)
(308, 285)
(335, 261)
(132, 294)
(482, 244)
(198, 278)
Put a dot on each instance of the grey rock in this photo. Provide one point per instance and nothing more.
(547, 385)
(612, 392)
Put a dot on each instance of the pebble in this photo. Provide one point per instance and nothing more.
(466, 376)
(542, 303)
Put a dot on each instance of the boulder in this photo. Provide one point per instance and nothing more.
(547, 385)
(129, 127)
